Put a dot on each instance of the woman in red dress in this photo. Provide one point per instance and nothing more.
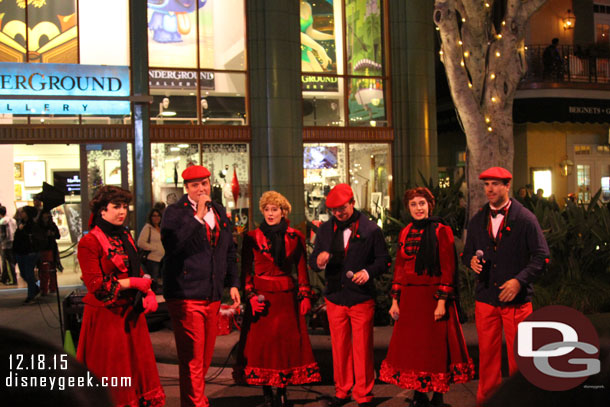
(114, 341)
(274, 348)
(427, 351)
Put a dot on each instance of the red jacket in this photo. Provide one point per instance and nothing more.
(101, 274)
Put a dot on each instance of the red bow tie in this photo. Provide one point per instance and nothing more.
(496, 212)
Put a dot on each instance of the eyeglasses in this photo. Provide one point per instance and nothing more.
(340, 209)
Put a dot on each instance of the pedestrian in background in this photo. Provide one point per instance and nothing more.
(8, 226)
(150, 240)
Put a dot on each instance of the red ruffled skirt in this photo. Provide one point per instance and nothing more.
(426, 355)
(274, 348)
(111, 347)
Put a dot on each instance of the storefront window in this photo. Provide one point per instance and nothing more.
(366, 103)
(583, 179)
(229, 164)
(367, 168)
(325, 165)
(327, 49)
(364, 37)
(222, 33)
(323, 102)
(369, 171)
(223, 99)
(543, 180)
(52, 34)
(168, 161)
(58, 165)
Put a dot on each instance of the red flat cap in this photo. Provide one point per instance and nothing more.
(339, 196)
(195, 172)
(496, 173)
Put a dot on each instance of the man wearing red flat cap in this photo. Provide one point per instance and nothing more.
(351, 250)
(200, 257)
(506, 248)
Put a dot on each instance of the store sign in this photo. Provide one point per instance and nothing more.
(561, 110)
(54, 81)
(319, 83)
(172, 79)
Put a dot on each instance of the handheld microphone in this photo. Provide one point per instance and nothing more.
(260, 298)
(208, 205)
(479, 254)
(349, 274)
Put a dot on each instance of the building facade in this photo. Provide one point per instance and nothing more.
(295, 96)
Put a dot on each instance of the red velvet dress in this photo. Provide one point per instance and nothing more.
(424, 354)
(274, 348)
(111, 343)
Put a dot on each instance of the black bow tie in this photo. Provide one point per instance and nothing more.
(496, 212)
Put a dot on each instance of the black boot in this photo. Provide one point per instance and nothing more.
(420, 400)
(267, 397)
(281, 400)
(437, 400)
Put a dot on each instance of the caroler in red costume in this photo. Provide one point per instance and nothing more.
(274, 348)
(427, 351)
(114, 339)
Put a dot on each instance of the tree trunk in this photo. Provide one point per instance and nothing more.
(484, 65)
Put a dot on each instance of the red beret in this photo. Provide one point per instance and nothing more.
(195, 172)
(339, 196)
(496, 173)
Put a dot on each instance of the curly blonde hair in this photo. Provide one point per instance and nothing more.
(274, 198)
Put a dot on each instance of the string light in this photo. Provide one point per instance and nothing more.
(466, 54)
(492, 76)
(437, 28)
(462, 63)
(487, 5)
(469, 85)
(460, 42)
(493, 99)
(487, 119)
(489, 129)
(497, 53)
(463, 20)
(499, 36)
(503, 22)
(440, 52)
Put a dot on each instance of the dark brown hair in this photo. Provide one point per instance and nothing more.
(151, 213)
(108, 194)
(424, 193)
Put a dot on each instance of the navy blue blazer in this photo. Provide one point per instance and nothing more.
(366, 250)
(521, 253)
(194, 269)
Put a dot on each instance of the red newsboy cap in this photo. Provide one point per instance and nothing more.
(195, 172)
(339, 195)
(496, 173)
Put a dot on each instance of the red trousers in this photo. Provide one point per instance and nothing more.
(351, 335)
(195, 323)
(490, 320)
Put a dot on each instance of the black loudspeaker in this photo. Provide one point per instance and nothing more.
(73, 308)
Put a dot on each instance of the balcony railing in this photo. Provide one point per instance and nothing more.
(573, 66)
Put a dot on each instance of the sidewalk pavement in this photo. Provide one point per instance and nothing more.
(40, 319)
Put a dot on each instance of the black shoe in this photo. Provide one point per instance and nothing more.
(419, 400)
(281, 398)
(267, 397)
(338, 402)
(437, 400)
(28, 301)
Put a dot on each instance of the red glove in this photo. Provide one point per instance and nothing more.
(150, 302)
(305, 306)
(140, 283)
(256, 306)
